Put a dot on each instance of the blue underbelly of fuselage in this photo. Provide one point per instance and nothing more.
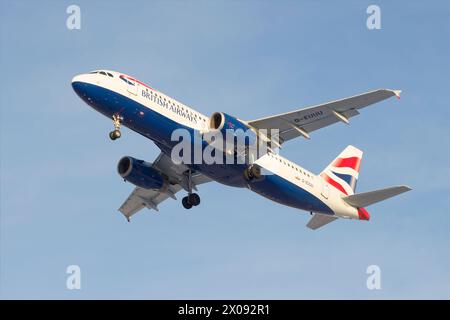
(159, 129)
(156, 127)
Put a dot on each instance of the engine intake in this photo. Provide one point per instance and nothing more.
(222, 121)
(141, 174)
(252, 173)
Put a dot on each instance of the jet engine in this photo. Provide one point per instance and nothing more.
(141, 174)
(253, 172)
(234, 131)
(222, 121)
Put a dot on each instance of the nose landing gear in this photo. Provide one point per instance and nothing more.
(113, 135)
(117, 120)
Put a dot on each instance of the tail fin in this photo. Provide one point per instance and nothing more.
(342, 172)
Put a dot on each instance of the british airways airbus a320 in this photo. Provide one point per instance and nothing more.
(327, 196)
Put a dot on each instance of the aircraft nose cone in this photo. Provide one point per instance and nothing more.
(78, 83)
(77, 78)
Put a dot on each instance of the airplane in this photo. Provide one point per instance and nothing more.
(327, 196)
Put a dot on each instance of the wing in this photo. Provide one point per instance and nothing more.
(141, 198)
(319, 220)
(303, 121)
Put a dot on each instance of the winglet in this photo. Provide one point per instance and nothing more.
(397, 93)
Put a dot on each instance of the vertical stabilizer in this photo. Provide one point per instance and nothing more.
(342, 173)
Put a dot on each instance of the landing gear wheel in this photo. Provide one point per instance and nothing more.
(194, 199)
(117, 120)
(185, 202)
(113, 135)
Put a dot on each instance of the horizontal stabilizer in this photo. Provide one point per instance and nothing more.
(361, 200)
(319, 220)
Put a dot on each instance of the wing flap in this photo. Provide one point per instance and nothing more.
(141, 198)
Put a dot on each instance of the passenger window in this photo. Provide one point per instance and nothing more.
(110, 75)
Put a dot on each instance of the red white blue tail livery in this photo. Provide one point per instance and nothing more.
(343, 172)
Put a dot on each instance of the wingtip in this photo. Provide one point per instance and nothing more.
(123, 213)
(397, 93)
(404, 188)
(407, 188)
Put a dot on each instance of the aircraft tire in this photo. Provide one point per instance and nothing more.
(185, 203)
(194, 199)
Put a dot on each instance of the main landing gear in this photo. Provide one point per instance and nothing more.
(192, 199)
(117, 120)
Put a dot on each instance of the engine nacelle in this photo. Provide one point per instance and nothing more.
(252, 173)
(222, 121)
(237, 129)
(141, 173)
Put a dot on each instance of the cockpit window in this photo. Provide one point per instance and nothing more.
(102, 73)
(125, 80)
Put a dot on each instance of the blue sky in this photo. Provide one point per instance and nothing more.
(60, 192)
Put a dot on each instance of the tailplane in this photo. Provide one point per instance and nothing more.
(364, 199)
(342, 173)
